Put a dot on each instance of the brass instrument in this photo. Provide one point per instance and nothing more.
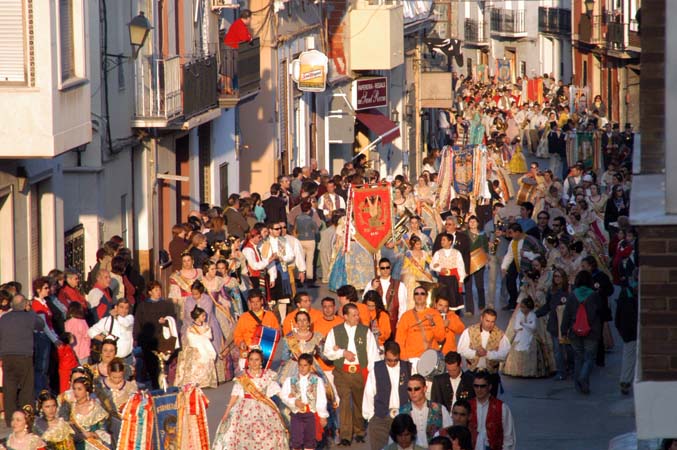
(400, 228)
(493, 245)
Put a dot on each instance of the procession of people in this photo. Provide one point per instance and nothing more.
(522, 206)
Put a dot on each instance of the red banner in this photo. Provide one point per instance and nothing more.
(372, 216)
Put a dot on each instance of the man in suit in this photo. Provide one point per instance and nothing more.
(274, 206)
(382, 400)
(453, 385)
(541, 230)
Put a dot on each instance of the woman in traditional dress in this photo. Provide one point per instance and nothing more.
(301, 340)
(116, 387)
(226, 315)
(252, 421)
(88, 417)
(349, 268)
(55, 431)
(21, 437)
(200, 298)
(566, 260)
(526, 356)
(181, 281)
(379, 320)
(517, 164)
(109, 348)
(416, 268)
(423, 194)
(597, 200)
(196, 359)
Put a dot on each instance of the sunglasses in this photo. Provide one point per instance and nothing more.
(384, 267)
(456, 413)
(415, 388)
(277, 228)
(420, 293)
(480, 386)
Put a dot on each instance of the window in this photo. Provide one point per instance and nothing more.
(71, 45)
(67, 50)
(12, 43)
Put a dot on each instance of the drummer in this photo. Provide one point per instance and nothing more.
(247, 324)
(419, 329)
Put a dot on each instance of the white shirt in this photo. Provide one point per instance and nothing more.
(401, 295)
(122, 329)
(261, 264)
(509, 440)
(299, 253)
(494, 355)
(370, 390)
(337, 199)
(372, 347)
(304, 380)
(455, 383)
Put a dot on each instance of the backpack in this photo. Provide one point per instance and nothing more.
(581, 325)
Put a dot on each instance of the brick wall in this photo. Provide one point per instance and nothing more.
(652, 86)
(336, 13)
(658, 302)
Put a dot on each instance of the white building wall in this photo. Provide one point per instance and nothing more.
(224, 151)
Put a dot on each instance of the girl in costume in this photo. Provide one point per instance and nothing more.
(88, 418)
(55, 431)
(226, 316)
(181, 281)
(21, 437)
(416, 268)
(517, 164)
(252, 421)
(116, 387)
(196, 360)
(200, 298)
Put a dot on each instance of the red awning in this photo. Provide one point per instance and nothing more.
(383, 127)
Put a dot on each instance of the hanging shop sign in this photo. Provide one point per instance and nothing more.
(309, 71)
(370, 92)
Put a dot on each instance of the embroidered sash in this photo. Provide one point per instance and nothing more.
(251, 389)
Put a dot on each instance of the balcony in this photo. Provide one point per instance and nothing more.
(158, 91)
(200, 93)
(508, 23)
(590, 30)
(476, 32)
(623, 36)
(555, 21)
(240, 71)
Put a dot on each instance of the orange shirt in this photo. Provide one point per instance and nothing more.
(383, 325)
(363, 310)
(246, 326)
(288, 322)
(324, 326)
(409, 334)
(454, 329)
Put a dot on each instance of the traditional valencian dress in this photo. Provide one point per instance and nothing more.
(30, 442)
(226, 315)
(180, 287)
(353, 267)
(254, 423)
(59, 436)
(414, 271)
(93, 421)
(196, 360)
(527, 356)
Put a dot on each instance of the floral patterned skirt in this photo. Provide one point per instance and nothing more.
(251, 425)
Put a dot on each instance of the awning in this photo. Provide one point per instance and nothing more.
(386, 130)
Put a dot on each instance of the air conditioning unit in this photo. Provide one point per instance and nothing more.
(221, 4)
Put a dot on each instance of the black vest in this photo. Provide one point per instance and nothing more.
(383, 387)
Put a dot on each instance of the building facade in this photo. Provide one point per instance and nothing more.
(607, 51)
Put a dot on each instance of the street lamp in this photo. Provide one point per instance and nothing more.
(139, 28)
(589, 7)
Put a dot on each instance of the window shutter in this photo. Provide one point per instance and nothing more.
(66, 39)
(12, 49)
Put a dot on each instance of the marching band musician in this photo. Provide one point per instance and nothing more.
(420, 328)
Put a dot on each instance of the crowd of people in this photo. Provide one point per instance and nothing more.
(389, 359)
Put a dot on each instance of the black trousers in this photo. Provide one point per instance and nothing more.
(478, 278)
(511, 283)
(17, 382)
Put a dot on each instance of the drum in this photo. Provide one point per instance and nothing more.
(266, 339)
(431, 364)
